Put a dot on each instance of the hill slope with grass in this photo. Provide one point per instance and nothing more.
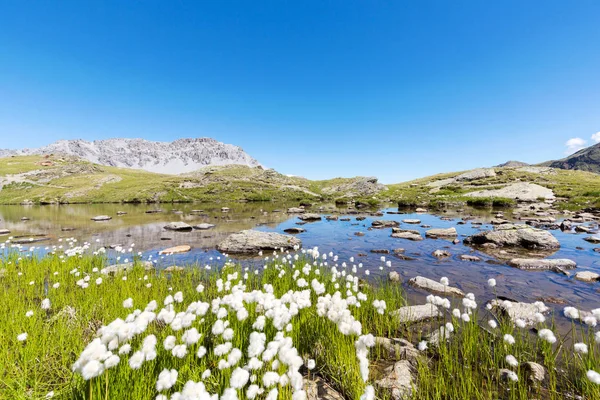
(66, 179)
(587, 159)
(500, 187)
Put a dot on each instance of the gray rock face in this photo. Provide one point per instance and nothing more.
(178, 226)
(101, 218)
(397, 380)
(515, 236)
(250, 241)
(587, 276)
(180, 156)
(518, 310)
(441, 232)
(557, 265)
(204, 226)
(295, 210)
(417, 313)
(435, 287)
(412, 221)
(310, 217)
(406, 234)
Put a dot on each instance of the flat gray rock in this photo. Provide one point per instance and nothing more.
(592, 239)
(435, 287)
(4, 231)
(295, 210)
(511, 235)
(417, 313)
(412, 221)
(251, 241)
(204, 226)
(587, 276)
(406, 234)
(101, 218)
(380, 223)
(441, 232)
(178, 226)
(398, 349)
(467, 257)
(310, 217)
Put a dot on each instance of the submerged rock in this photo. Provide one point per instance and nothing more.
(435, 287)
(511, 235)
(440, 232)
(176, 250)
(466, 257)
(441, 254)
(417, 313)
(556, 265)
(178, 226)
(296, 210)
(250, 241)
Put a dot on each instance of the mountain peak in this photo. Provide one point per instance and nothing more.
(177, 157)
(587, 159)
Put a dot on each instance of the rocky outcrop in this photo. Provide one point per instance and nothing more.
(251, 241)
(317, 389)
(515, 236)
(522, 191)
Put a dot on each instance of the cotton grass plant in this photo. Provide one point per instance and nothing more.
(233, 332)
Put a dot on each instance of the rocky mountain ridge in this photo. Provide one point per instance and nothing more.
(174, 158)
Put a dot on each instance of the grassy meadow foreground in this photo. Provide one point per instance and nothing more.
(278, 328)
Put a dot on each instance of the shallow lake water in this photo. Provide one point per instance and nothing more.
(147, 234)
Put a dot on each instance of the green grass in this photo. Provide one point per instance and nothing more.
(464, 367)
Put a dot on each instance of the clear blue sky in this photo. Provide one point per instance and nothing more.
(316, 88)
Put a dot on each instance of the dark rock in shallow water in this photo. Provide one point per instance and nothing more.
(294, 230)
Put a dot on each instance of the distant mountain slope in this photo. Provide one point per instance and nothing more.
(587, 159)
(180, 156)
(512, 163)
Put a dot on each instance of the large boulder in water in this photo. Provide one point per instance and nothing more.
(178, 226)
(250, 241)
(509, 235)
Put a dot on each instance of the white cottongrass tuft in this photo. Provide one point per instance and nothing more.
(128, 303)
(511, 360)
(22, 337)
(547, 335)
(580, 348)
(491, 282)
(593, 376)
(509, 339)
